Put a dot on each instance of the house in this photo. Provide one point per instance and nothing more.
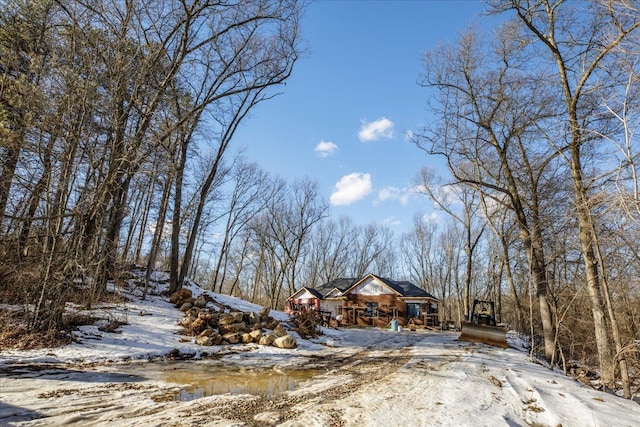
(331, 292)
(325, 299)
(303, 300)
(371, 300)
(376, 301)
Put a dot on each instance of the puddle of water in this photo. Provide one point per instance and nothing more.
(222, 380)
(203, 379)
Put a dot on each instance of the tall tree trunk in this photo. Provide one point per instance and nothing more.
(136, 214)
(620, 357)
(9, 164)
(157, 235)
(118, 213)
(174, 262)
(586, 231)
(600, 30)
(512, 286)
(36, 194)
(143, 224)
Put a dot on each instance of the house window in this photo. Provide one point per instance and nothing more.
(433, 308)
(413, 310)
(371, 310)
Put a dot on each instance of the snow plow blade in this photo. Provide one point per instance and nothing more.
(492, 335)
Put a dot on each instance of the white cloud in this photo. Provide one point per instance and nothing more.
(391, 221)
(351, 188)
(326, 148)
(433, 218)
(494, 206)
(388, 193)
(445, 194)
(394, 194)
(419, 189)
(408, 135)
(167, 230)
(373, 131)
(451, 193)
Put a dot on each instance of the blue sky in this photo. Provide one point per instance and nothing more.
(343, 116)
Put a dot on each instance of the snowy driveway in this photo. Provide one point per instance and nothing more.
(370, 378)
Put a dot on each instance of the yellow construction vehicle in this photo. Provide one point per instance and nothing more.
(482, 326)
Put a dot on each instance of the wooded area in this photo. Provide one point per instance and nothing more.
(117, 118)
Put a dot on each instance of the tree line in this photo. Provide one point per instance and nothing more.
(113, 108)
(117, 120)
(536, 121)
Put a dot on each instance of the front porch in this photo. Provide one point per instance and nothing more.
(362, 315)
(372, 315)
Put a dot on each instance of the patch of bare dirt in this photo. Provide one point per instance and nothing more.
(361, 369)
(12, 338)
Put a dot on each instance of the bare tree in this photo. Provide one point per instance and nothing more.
(448, 263)
(371, 242)
(269, 262)
(329, 251)
(290, 221)
(473, 225)
(244, 52)
(486, 132)
(585, 43)
(248, 198)
(93, 94)
(418, 248)
(625, 143)
(503, 226)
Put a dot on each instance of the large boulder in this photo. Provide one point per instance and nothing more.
(279, 331)
(238, 316)
(233, 328)
(210, 318)
(264, 313)
(267, 339)
(208, 337)
(180, 296)
(286, 341)
(204, 340)
(231, 338)
(187, 321)
(193, 312)
(272, 324)
(256, 334)
(216, 338)
(246, 338)
(207, 332)
(226, 319)
(197, 326)
(252, 318)
(200, 301)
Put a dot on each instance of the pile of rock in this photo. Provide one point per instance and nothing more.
(215, 324)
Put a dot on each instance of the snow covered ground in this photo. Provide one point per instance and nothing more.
(363, 377)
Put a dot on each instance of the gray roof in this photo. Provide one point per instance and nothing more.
(312, 291)
(315, 292)
(406, 289)
(342, 284)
